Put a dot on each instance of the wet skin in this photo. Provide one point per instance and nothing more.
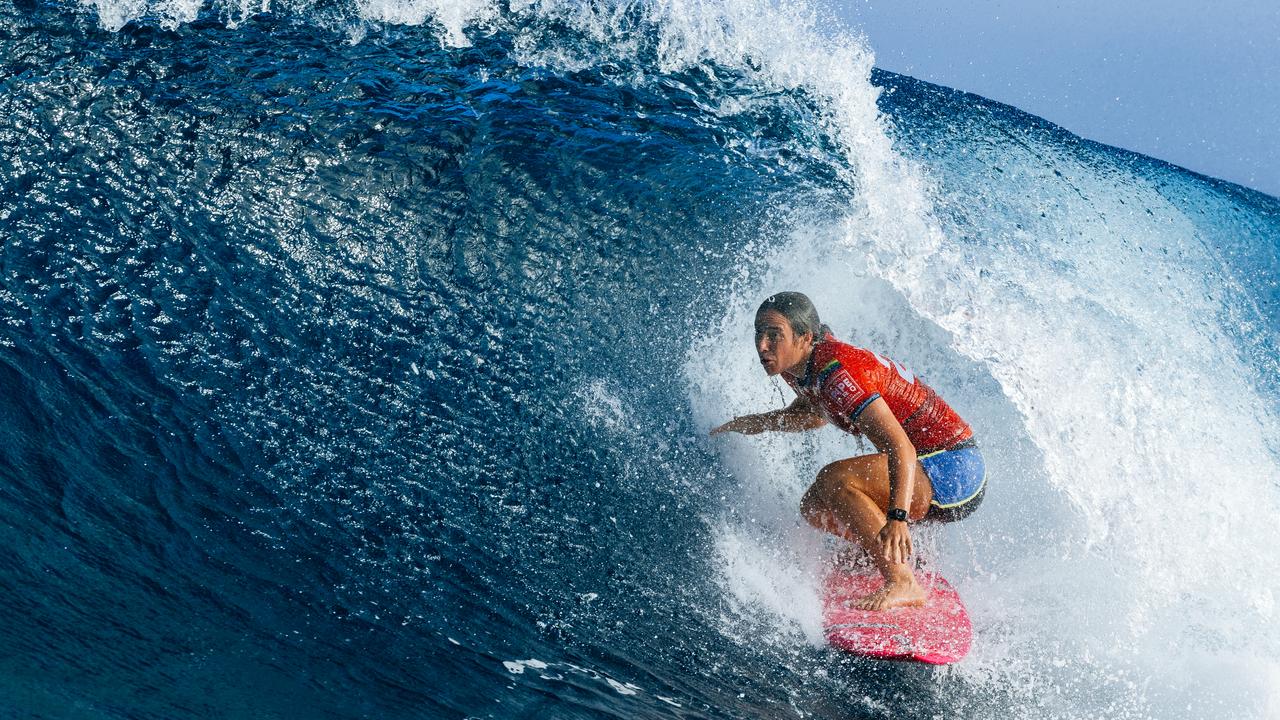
(849, 497)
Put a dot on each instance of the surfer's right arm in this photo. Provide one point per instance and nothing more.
(798, 416)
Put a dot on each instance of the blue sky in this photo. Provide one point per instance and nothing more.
(1193, 83)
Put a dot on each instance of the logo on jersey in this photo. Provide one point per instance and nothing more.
(842, 393)
(906, 375)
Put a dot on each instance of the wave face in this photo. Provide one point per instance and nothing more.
(359, 360)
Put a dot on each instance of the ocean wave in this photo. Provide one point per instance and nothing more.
(355, 351)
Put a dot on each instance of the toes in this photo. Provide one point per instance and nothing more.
(874, 601)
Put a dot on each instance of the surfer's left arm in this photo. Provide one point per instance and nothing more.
(885, 432)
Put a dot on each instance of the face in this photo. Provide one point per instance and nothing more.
(779, 348)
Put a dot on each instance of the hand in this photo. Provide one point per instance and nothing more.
(895, 541)
(747, 425)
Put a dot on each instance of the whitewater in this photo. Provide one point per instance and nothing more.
(359, 359)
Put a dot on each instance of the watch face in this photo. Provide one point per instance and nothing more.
(897, 514)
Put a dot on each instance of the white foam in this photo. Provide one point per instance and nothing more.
(622, 688)
(767, 580)
(602, 406)
(517, 667)
(1119, 420)
(453, 16)
(1150, 466)
(1127, 540)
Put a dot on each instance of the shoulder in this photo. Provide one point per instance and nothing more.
(833, 355)
(837, 363)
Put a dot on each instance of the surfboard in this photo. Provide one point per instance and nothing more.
(937, 633)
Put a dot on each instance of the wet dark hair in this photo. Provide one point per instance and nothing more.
(798, 309)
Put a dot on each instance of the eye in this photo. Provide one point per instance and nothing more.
(773, 335)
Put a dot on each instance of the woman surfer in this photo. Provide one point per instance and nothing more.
(927, 467)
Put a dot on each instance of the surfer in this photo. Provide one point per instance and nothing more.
(928, 465)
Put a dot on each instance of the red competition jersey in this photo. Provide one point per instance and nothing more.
(842, 380)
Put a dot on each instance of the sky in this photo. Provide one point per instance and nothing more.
(1194, 83)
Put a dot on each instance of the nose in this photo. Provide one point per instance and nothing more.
(762, 344)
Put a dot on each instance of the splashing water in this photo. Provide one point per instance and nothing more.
(361, 357)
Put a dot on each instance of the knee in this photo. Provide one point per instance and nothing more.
(817, 499)
(812, 505)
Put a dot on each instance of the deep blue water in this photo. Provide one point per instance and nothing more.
(360, 375)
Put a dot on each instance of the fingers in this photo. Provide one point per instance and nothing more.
(738, 425)
(726, 427)
(896, 546)
(904, 549)
(893, 554)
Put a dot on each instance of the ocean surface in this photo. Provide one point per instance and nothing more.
(357, 359)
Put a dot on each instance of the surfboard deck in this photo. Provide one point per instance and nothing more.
(937, 633)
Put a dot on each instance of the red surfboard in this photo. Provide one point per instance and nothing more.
(937, 633)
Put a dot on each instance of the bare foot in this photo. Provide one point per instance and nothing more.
(895, 593)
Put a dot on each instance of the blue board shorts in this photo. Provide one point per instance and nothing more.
(959, 479)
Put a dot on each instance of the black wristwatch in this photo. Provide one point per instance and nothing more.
(898, 514)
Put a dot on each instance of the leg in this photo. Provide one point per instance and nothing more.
(850, 498)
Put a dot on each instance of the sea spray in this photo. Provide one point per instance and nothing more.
(1131, 472)
(383, 364)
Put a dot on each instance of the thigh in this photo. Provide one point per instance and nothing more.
(869, 475)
